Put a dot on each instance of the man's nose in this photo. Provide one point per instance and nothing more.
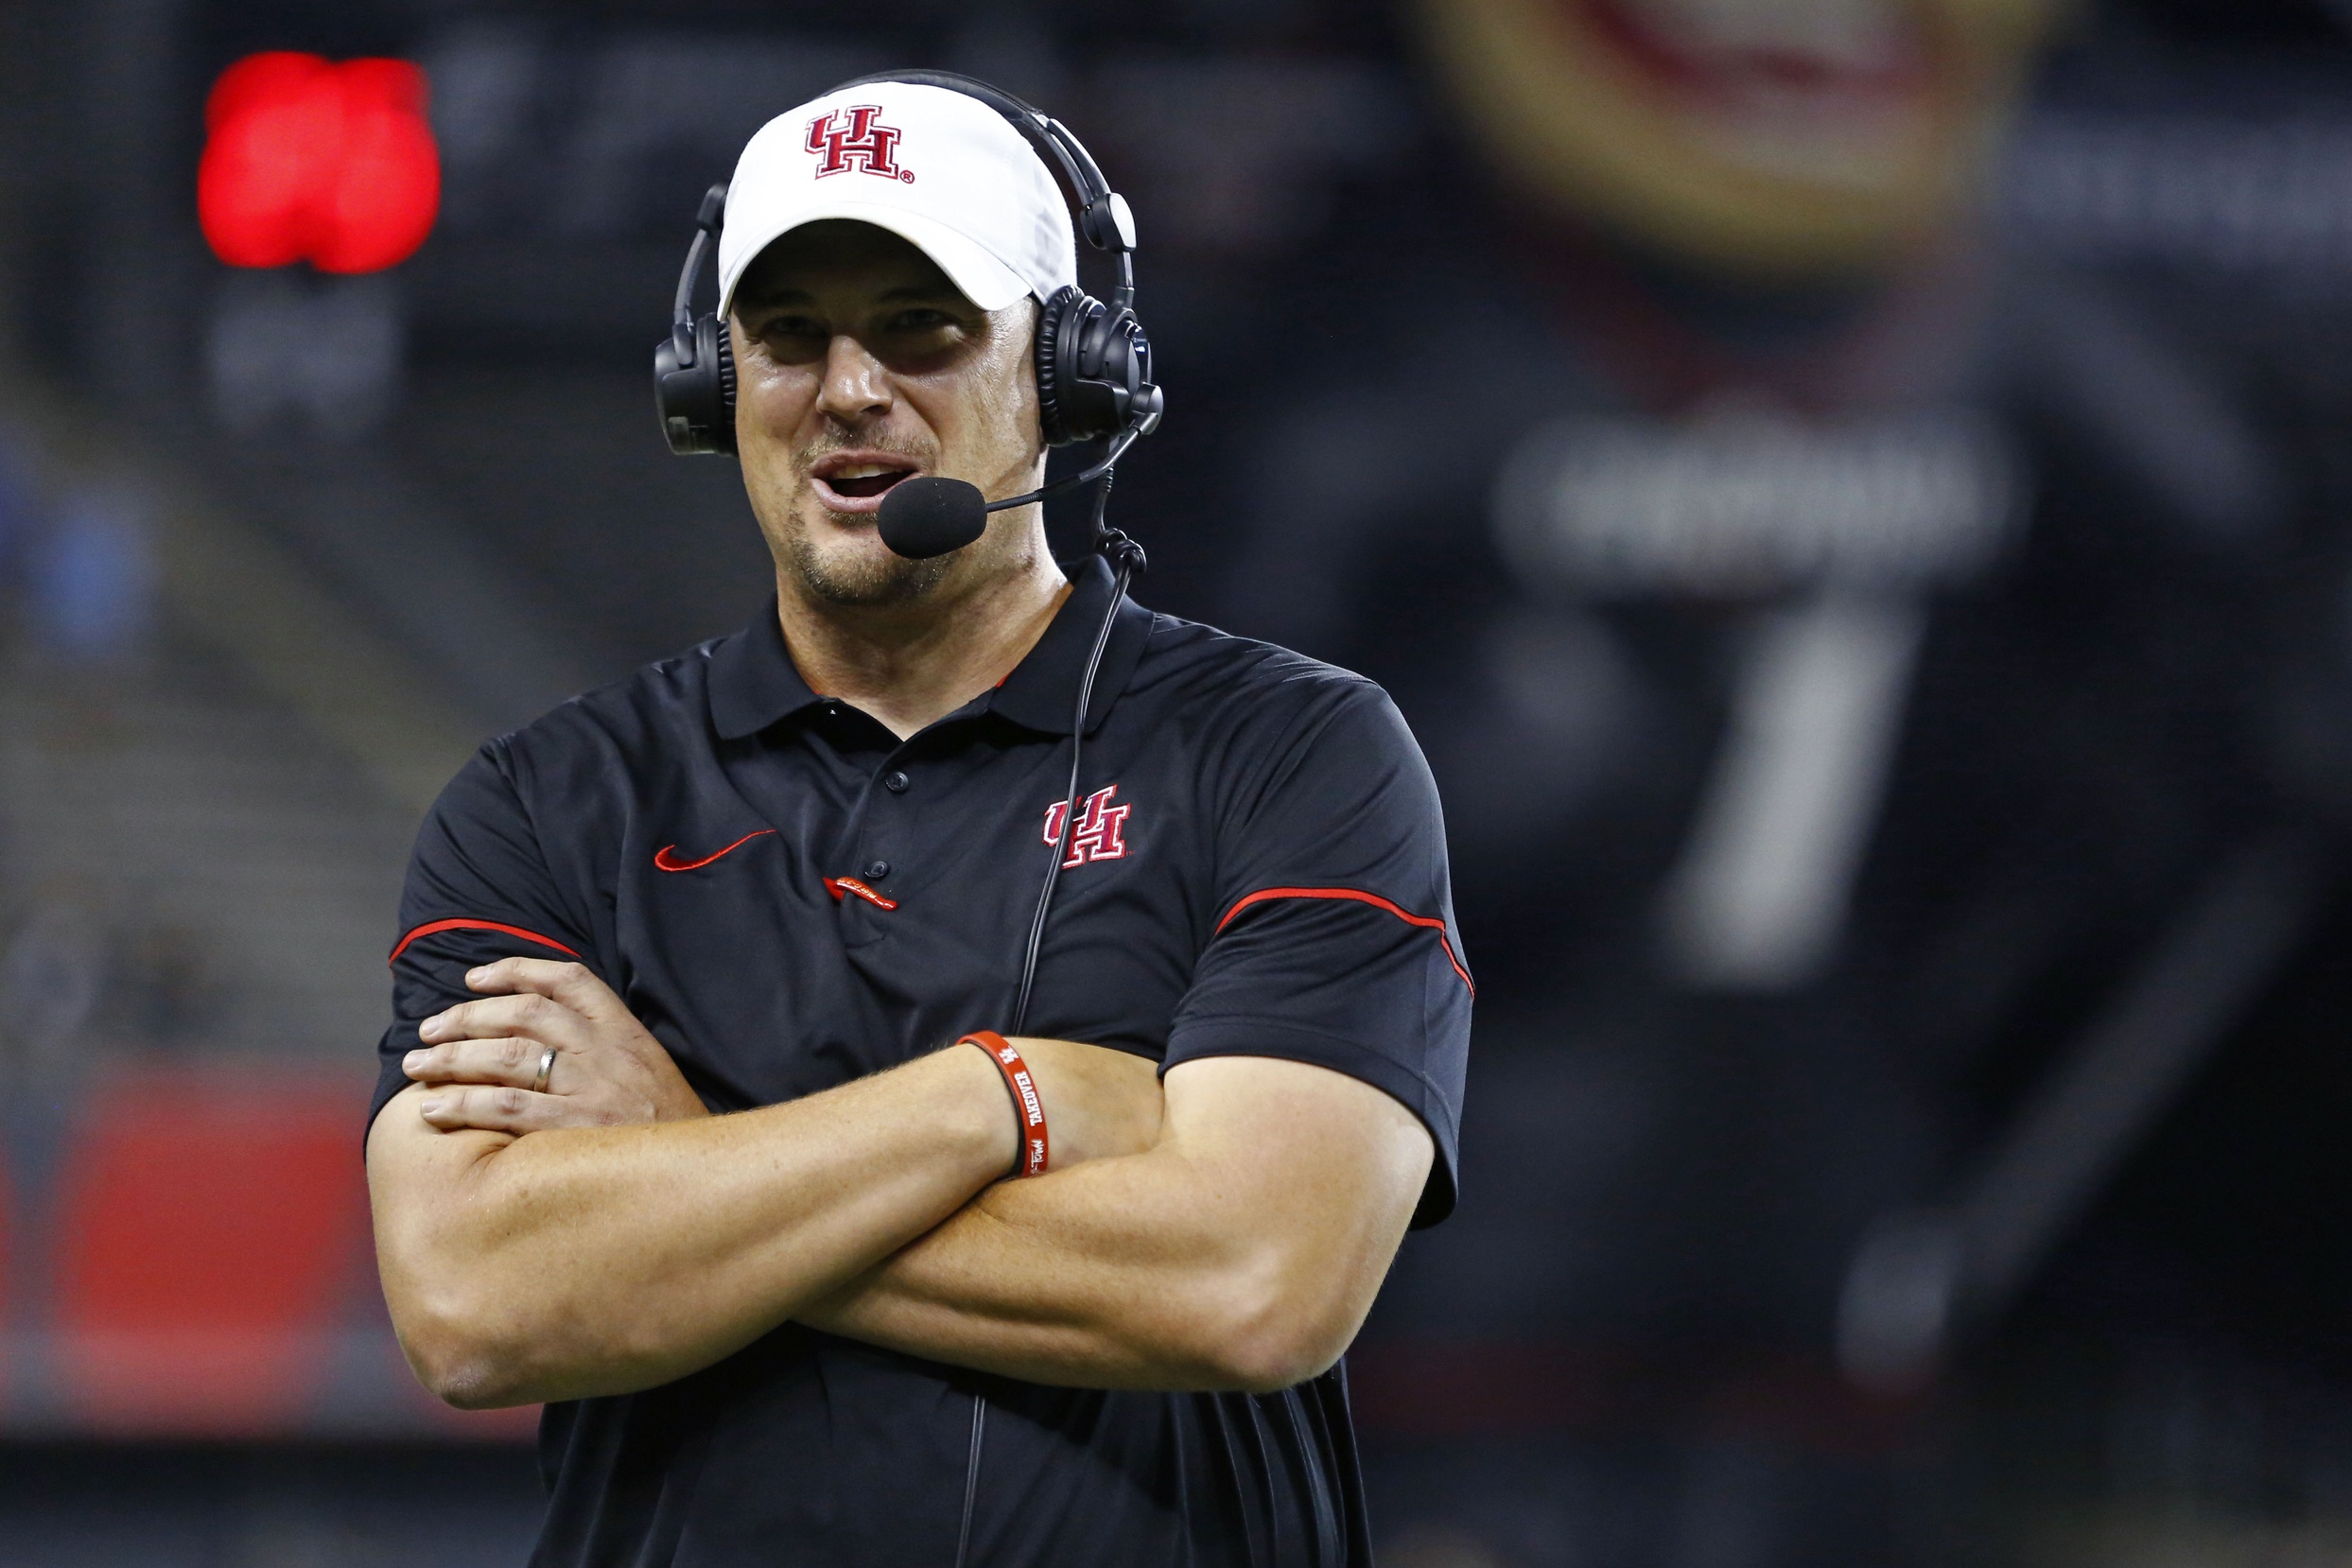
(856, 386)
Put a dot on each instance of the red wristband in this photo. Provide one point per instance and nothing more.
(1027, 1107)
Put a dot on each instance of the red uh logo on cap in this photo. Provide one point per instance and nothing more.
(849, 136)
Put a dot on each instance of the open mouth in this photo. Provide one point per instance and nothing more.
(856, 481)
(1771, 48)
(868, 480)
(1831, 92)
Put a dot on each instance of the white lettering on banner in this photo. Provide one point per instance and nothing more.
(1746, 503)
(1757, 901)
(1835, 528)
(2237, 192)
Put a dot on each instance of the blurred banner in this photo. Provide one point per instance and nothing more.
(187, 1257)
(206, 780)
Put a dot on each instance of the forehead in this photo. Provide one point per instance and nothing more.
(839, 258)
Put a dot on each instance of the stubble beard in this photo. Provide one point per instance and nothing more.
(861, 580)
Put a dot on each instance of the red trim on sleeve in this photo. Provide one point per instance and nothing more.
(431, 926)
(1430, 921)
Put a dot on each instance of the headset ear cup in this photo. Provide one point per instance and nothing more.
(1057, 320)
(1094, 365)
(722, 353)
(1127, 364)
(696, 398)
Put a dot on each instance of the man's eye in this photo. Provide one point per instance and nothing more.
(791, 338)
(921, 321)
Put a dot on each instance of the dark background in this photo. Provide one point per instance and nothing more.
(2065, 1072)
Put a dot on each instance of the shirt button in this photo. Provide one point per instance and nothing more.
(876, 870)
(896, 783)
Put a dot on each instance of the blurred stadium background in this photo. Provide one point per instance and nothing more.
(1852, 495)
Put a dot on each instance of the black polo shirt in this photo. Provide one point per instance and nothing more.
(791, 898)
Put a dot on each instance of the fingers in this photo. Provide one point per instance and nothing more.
(493, 1108)
(512, 1061)
(527, 1015)
(573, 985)
(610, 1071)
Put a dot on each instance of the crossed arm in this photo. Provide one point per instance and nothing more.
(607, 1236)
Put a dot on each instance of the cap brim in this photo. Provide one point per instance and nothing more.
(975, 272)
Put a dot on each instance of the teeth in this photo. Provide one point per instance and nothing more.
(864, 471)
(1850, 34)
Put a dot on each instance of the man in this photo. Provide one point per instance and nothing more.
(778, 877)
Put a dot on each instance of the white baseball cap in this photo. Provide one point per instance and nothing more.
(937, 167)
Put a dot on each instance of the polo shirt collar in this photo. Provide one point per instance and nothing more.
(1041, 693)
(754, 681)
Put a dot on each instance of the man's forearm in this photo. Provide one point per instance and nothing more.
(574, 1263)
(1054, 1281)
(1239, 1252)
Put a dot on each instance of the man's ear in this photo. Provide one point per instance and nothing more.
(1017, 323)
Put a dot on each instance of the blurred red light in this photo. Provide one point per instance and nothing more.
(307, 159)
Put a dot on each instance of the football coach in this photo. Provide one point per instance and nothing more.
(706, 1117)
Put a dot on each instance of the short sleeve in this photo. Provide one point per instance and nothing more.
(1335, 941)
(479, 890)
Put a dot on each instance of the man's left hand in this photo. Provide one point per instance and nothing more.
(482, 1058)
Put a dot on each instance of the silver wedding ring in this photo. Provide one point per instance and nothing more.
(547, 1064)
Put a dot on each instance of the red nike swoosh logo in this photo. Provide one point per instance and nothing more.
(665, 861)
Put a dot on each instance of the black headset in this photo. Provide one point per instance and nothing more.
(1094, 360)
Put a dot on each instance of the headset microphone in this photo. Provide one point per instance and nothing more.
(930, 514)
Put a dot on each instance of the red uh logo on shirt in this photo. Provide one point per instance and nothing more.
(1096, 835)
(848, 137)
